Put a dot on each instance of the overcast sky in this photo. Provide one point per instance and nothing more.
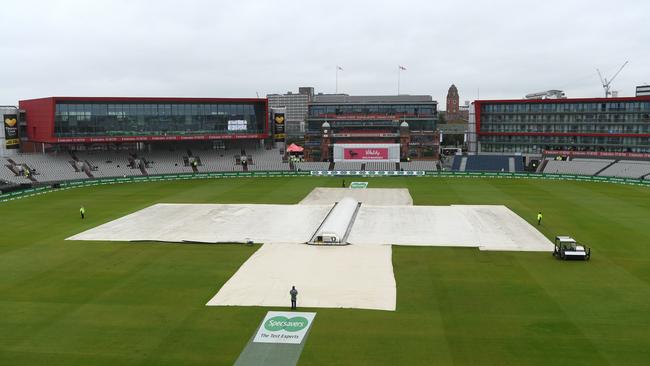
(504, 49)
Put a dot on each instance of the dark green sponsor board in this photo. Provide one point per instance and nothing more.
(170, 177)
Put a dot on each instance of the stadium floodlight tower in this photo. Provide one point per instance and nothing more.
(567, 248)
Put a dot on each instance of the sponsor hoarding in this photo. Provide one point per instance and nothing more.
(11, 131)
(358, 185)
(603, 154)
(230, 136)
(366, 134)
(365, 153)
(237, 125)
(279, 129)
(284, 327)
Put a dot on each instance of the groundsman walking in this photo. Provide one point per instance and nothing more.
(539, 218)
(82, 212)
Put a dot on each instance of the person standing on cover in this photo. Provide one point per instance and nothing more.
(294, 296)
(82, 211)
(539, 218)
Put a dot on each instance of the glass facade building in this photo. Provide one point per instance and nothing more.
(420, 117)
(119, 119)
(137, 119)
(532, 126)
(372, 119)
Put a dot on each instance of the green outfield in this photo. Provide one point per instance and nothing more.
(106, 303)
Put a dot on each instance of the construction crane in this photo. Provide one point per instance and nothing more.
(549, 94)
(606, 83)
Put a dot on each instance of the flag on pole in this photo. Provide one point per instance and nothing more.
(339, 67)
(402, 67)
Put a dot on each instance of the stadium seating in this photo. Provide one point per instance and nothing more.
(627, 169)
(97, 164)
(455, 165)
(347, 165)
(6, 185)
(219, 161)
(166, 162)
(100, 164)
(108, 163)
(428, 165)
(266, 160)
(50, 168)
(488, 163)
(380, 166)
(320, 165)
(268, 166)
(576, 166)
(9, 176)
(601, 167)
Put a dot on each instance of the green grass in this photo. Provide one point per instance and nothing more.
(102, 303)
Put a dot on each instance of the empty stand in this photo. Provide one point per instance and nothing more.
(488, 163)
(428, 165)
(266, 160)
(8, 175)
(48, 168)
(108, 163)
(627, 169)
(89, 164)
(380, 166)
(316, 165)
(219, 161)
(455, 165)
(347, 165)
(463, 164)
(576, 166)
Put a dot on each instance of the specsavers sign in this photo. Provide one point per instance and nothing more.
(284, 327)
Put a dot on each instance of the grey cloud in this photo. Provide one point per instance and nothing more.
(225, 48)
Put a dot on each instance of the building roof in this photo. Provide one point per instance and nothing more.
(370, 99)
(452, 90)
(149, 100)
(567, 100)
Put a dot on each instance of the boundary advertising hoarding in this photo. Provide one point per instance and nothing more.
(11, 131)
(54, 186)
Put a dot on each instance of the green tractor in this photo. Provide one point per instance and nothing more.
(567, 248)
